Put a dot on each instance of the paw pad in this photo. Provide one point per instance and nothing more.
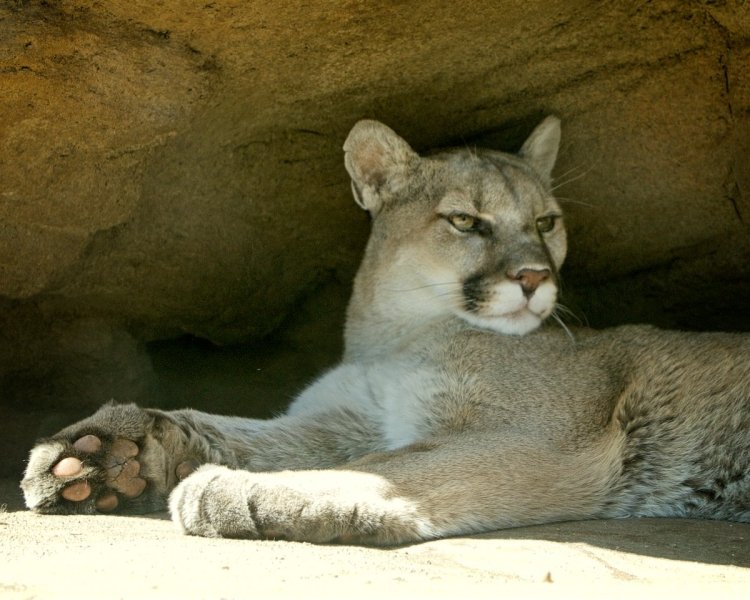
(77, 492)
(88, 444)
(121, 472)
(68, 467)
(107, 503)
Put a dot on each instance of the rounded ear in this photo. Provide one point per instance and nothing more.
(540, 149)
(377, 161)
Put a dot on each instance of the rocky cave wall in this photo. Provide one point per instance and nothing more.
(175, 220)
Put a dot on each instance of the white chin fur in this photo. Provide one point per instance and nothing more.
(508, 311)
(519, 323)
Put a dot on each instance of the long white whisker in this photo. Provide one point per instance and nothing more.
(564, 326)
(571, 201)
(559, 182)
(561, 308)
(450, 294)
(569, 171)
(571, 180)
(422, 287)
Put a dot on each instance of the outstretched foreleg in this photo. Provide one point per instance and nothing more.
(127, 459)
(441, 488)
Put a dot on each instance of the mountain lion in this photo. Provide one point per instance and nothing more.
(452, 411)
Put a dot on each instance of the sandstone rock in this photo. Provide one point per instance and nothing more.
(175, 168)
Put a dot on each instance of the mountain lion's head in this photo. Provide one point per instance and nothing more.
(476, 233)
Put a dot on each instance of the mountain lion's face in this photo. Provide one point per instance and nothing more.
(476, 234)
(484, 238)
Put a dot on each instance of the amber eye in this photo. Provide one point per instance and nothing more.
(546, 224)
(463, 222)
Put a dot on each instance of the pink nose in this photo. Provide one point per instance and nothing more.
(530, 279)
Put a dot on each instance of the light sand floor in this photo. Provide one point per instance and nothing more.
(129, 557)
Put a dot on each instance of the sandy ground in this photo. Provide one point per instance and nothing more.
(128, 557)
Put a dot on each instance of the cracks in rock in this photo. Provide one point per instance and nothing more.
(727, 85)
(304, 131)
(732, 186)
(107, 26)
(156, 141)
(723, 60)
(638, 68)
(13, 69)
(158, 34)
(734, 194)
(208, 63)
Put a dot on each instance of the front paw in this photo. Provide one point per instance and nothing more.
(213, 502)
(110, 462)
(311, 506)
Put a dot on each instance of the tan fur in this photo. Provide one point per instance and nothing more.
(451, 412)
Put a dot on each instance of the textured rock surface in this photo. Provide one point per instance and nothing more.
(175, 168)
